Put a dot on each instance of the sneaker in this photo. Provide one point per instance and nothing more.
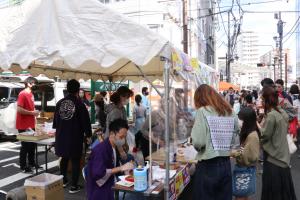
(36, 166)
(65, 183)
(27, 170)
(75, 189)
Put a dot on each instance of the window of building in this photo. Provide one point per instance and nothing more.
(105, 1)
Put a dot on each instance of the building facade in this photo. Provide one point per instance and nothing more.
(166, 18)
(207, 41)
(270, 60)
(246, 76)
(248, 48)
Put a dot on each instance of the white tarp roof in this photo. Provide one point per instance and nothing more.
(78, 39)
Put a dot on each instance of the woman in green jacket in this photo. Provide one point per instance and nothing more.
(277, 183)
(212, 136)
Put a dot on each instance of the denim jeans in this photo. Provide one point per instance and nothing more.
(213, 179)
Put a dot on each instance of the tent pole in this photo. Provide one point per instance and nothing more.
(148, 80)
(167, 131)
(150, 138)
(93, 92)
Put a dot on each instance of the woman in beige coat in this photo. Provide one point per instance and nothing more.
(248, 153)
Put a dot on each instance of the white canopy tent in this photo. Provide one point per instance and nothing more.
(78, 39)
(84, 39)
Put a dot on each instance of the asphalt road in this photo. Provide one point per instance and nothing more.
(11, 177)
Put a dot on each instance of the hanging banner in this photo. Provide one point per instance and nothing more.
(203, 73)
(181, 61)
(186, 62)
(194, 64)
(177, 62)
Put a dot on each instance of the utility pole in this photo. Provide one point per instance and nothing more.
(190, 27)
(280, 32)
(185, 47)
(185, 26)
(228, 57)
(286, 71)
(226, 66)
(274, 68)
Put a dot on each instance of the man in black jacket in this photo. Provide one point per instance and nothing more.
(72, 123)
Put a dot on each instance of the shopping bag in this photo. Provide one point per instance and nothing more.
(244, 181)
(292, 146)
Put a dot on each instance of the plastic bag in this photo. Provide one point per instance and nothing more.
(190, 153)
(130, 141)
(9, 116)
(292, 146)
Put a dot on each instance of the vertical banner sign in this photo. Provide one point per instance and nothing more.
(172, 192)
(177, 184)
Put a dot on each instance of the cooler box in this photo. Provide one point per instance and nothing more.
(44, 187)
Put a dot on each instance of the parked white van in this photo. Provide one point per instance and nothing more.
(49, 92)
(10, 87)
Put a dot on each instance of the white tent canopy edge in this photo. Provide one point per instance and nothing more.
(78, 38)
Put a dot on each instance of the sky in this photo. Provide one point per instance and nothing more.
(264, 24)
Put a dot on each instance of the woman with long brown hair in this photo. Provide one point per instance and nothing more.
(277, 183)
(213, 135)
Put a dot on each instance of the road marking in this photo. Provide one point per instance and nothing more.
(9, 159)
(7, 149)
(19, 176)
(12, 164)
(1, 191)
(9, 145)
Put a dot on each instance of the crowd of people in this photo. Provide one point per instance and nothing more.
(260, 120)
(266, 118)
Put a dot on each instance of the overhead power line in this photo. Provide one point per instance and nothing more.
(296, 23)
(203, 16)
(295, 31)
(222, 19)
(285, 11)
(238, 5)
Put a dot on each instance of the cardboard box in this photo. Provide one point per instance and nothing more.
(44, 187)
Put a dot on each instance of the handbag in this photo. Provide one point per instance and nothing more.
(244, 181)
(292, 146)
